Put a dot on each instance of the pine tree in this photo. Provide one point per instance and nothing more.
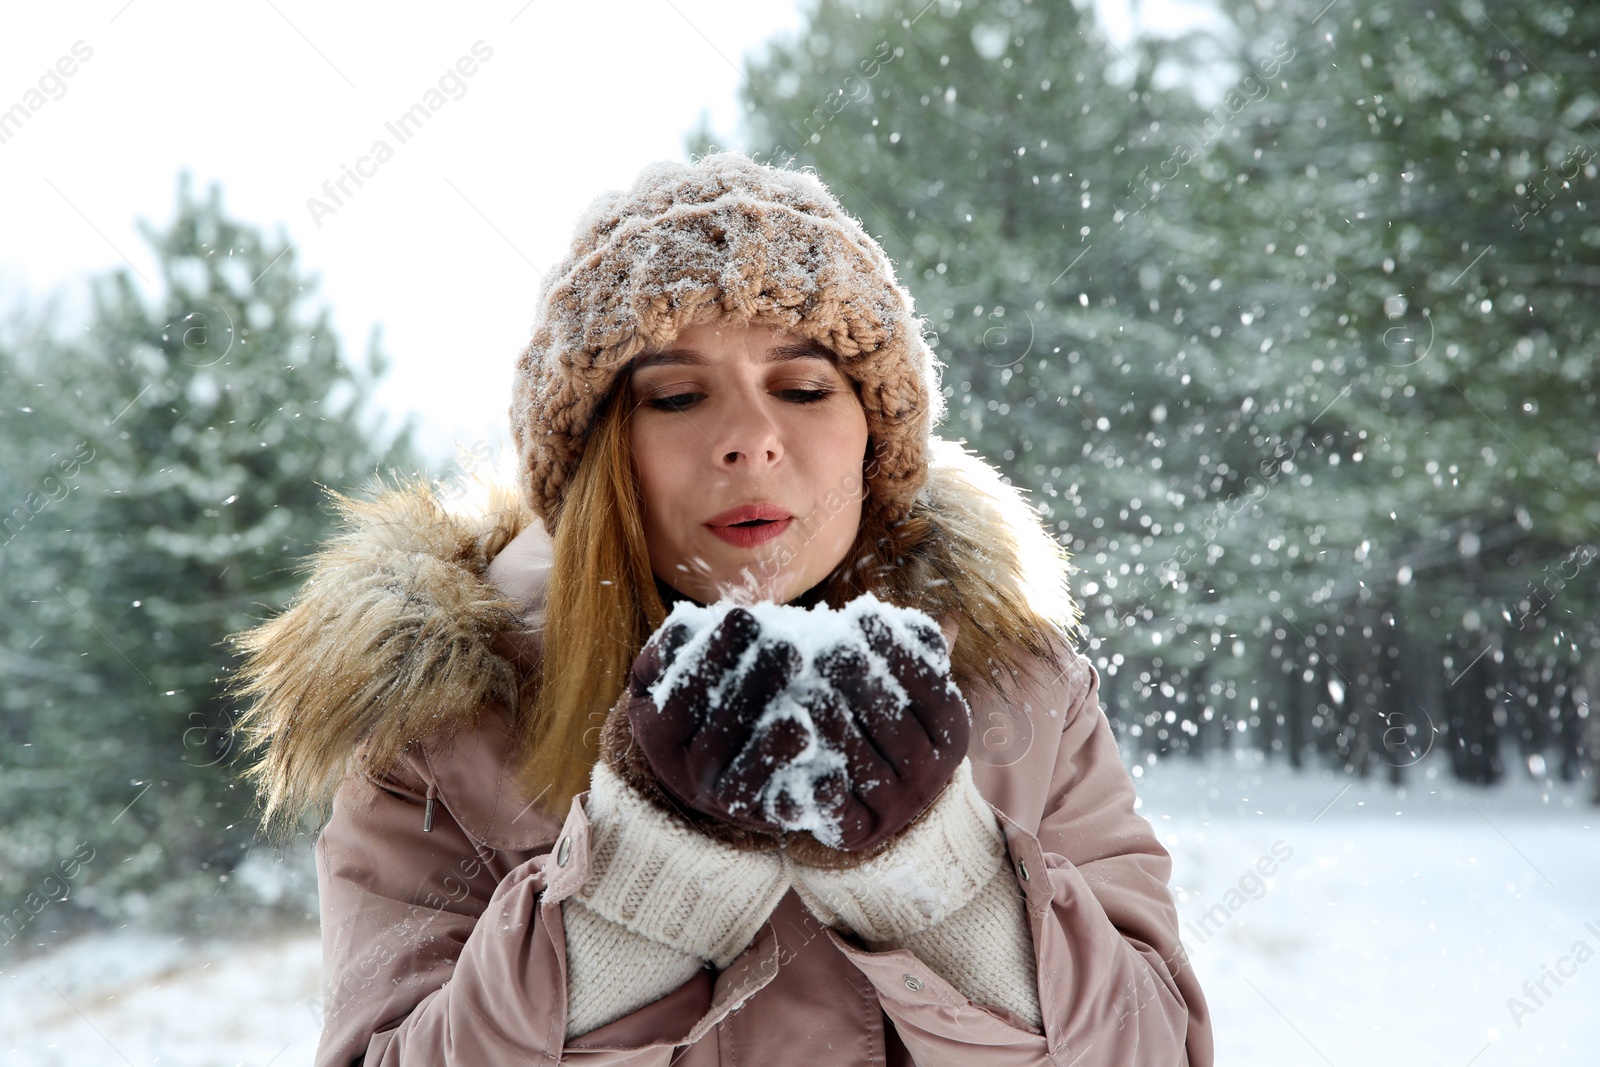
(193, 439)
(1434, 184)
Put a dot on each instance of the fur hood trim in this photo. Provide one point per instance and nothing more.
(399, 636)
(389, 640)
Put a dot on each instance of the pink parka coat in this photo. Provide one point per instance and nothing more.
(441, 885)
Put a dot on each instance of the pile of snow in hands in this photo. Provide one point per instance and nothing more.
(790, 796)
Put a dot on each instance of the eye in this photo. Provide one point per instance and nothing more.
(805, 396)
(803, 390)
(675, 402)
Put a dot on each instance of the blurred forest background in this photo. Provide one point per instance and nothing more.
(1296, 354)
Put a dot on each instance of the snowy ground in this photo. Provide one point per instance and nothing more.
(130, 999)
(1399, 926)
(1393, 930)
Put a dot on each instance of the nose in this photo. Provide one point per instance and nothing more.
(748, 437)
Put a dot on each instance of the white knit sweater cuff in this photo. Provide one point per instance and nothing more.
(985, 950)
(663, 880)
(938, 866)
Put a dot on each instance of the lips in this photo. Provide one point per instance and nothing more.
(746, 513)
(750, 524)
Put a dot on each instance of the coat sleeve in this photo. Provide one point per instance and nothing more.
(1115, 986)
(440, 952)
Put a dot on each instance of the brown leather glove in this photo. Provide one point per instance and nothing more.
(841, 757)
(703, 728)
(626, 750)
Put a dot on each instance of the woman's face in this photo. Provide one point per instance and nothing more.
(748, 446)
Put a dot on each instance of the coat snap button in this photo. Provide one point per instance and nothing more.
(913, 983)
(563, 852)
(1022, 869)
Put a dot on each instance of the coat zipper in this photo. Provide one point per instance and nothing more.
(427, 812)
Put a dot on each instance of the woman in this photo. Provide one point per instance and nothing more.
(791, 822)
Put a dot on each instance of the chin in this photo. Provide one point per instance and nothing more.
(746, 585)
(779, 591)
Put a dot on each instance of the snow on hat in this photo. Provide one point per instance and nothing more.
(724, 236)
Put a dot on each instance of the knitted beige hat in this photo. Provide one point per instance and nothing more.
(724, 236)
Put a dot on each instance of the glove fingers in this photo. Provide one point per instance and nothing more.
(864, 764)
(840, 810)
(656, 656)
(931, 636)
(880, 714)
(842, 794)
(908, 663)
(731, 728)
(690, 699)
(648, 725)
(935, 703)
(666, 732)
(775, 665)
(848, 670)
(746, 786)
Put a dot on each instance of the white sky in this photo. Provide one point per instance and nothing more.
(271, 98)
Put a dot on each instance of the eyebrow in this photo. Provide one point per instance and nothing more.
(688, 357)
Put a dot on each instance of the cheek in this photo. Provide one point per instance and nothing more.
(837, 484)
(653, 467)
(847, 443)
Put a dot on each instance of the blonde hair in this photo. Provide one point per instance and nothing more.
(602, 604)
